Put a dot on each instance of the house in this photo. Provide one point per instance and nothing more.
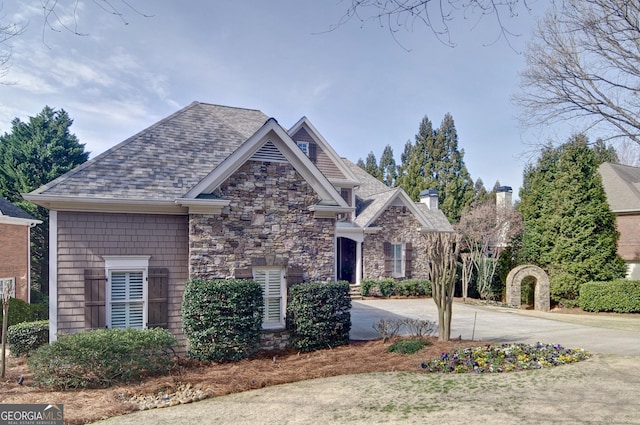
(219, 192)
(622, 185)
(15, 250)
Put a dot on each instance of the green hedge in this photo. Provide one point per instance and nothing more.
(318, 315)
(222, 319)
(102, 357)
(620, 296)
(390, 287)
(21, 311)
(26, 337)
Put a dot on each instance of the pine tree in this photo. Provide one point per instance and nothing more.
(31, 155)
(569, 229)
(388, 172)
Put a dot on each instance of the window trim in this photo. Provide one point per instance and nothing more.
(283, 297)
(394, 260)
(12, 281)
(304, 147)
(127, 264)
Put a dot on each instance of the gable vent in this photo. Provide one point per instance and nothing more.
(269, 152)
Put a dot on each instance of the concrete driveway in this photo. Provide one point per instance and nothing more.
(604, 333)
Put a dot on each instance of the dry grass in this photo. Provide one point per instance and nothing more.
(271, 368)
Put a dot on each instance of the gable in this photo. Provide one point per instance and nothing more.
(269, 144)
(322, 154)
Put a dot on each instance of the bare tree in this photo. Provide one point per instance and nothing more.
(7, 32)
(629, 153)
(486, 231)
(467, 269)
(434, 15)
(584, 66)
(6, 295)
(442, 251)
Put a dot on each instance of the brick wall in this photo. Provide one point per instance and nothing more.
(399, 227)
(629, 241)
(268, 218)
(83, 238)
(14, 257)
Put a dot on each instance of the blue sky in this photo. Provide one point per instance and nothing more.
(360, 87)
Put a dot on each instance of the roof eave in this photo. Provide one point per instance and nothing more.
(111, 205)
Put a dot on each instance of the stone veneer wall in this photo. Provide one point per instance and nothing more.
(268, 222)
(399, 226)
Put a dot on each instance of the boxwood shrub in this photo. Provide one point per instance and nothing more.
(102, 357)
(26, 337)
(318, 315)
(222, 319)
(619, 296)
(389, 287)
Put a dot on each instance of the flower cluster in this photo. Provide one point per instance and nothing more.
(504, 358)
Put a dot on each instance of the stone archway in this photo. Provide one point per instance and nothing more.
(541, 293)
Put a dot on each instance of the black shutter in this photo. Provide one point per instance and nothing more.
(94, 299)
(294, 275)
(158, 298)
(408, 260)
(313, 152)
(388, 266)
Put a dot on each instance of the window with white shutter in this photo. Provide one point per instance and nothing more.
(8, 285)
(127, 300)
(126, 293)
(272, 282)
(396, 260)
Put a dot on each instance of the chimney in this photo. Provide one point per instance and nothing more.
(503, 197)
(429, 198)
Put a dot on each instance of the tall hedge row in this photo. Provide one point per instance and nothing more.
(318, 315)
(222, 319)
(619, 296)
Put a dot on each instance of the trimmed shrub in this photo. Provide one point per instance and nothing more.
(408, 346)
(222, 319)
(102, 357)
(389, 287)
(26, 337)
(619, 296)
(318, 315)
(19, 311)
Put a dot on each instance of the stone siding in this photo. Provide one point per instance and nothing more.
(14, 254)
(83, 238)
(399, 226)
(267, 222)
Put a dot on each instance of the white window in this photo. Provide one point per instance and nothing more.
(8, 285)
(271, 279)
(397, 260)
(127, 291)
(304, 146)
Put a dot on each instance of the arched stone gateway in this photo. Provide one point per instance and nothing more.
(541, 292)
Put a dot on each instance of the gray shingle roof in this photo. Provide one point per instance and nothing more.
(10, 210)
(165, 160)
(622, 186)
(372, 195)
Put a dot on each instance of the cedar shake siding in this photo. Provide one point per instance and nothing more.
(399, 226)
(84, 238)
(14, 250)
(318, 156)
(267, 222)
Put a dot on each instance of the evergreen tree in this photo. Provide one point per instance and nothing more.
(479, 192)
(388, 172)
(435, 162)
(569, 229)
(31, 155)
(371, 166)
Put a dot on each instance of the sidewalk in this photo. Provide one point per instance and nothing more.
(499, 325)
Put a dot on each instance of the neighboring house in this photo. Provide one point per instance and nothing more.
(622, 186)
(15, 250)
(219, 192)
